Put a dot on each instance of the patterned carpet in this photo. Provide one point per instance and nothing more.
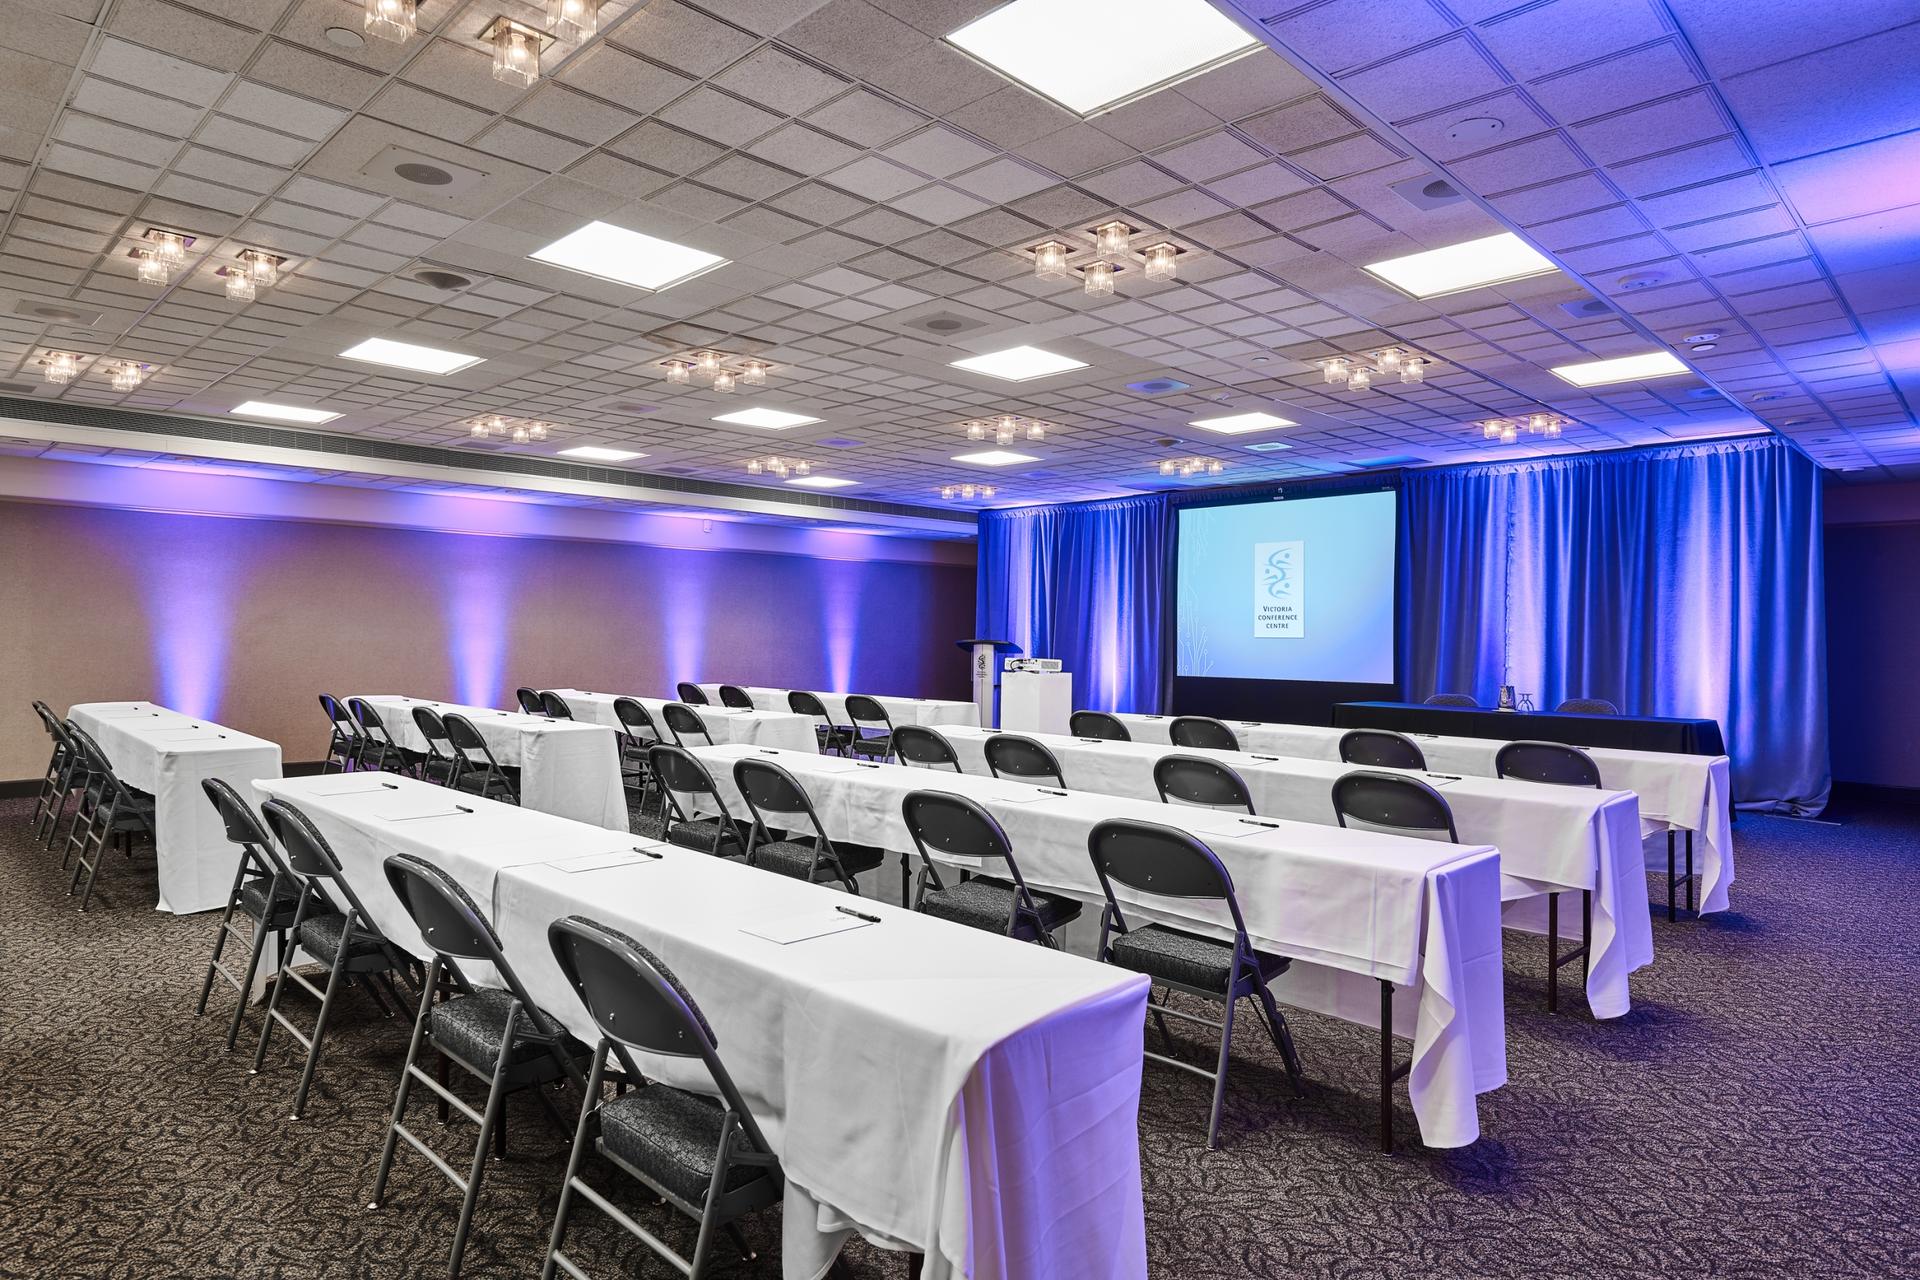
(1756, 1115)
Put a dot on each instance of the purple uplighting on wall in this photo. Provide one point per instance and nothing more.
(683, 608)
(190, 617)
(840, 590)
(479, 597)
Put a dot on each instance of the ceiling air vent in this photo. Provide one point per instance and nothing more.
(57, 312)
(1586, 309)
(945, 324)
(1427, 191)
(1159, 386)
(420, 171)
(17, 388)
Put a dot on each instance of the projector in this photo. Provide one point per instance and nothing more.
(1034, 664)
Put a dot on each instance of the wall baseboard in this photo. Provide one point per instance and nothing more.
(26, 788)
(1862, 794)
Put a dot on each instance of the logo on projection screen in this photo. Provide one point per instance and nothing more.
(1279, 590)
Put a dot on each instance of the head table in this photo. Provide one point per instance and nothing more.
(899, 710)
(724, 724)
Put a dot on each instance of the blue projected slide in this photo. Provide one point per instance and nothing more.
(1299, 590)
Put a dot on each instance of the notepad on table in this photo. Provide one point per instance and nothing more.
(814, 922)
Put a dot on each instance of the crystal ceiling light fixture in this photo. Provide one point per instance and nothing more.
(1187, 468)
(1337, 371)
(392, 20)
(1093, 55)
(240, 286)
(1036, 430)
(61, 367)
(573, 19)
(1413, 370)
(976, 430)
(754, 373)
(1161, 260)
(516, 52)
(153, 268)
(486, 426)
(678, 371)
(1006, 429)
(966, 492)
(1111, 239)
(724, 380)
(1360, 379)
(1050, 260)
(706, 365)
(127, 375)
(169, 246)
(1097, 278)
(775, 465)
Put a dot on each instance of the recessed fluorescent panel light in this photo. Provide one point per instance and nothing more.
(771, 419)
(994, 458)
(1240, 423)
(282, 412)
(822, 482)
(1598, 373)
(594, 453)
(1090, 55)
(1019, 364)
(405, 355)
(627, 257)
(1472, 264)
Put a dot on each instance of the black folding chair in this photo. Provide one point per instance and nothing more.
(1451, 700)
(685, 724)
(704, 1156)
(691, 694)
(831, 737)
(1011, 756)
(82, 787)
(62, 768)
(1098, 724)
(1196, 780)
(1407, 806)
(1381, 749)
(335, 929)
(497, 1035)
(1202, 733)
(378, 750)
(1160, 862)
(771, 792)
(265, 893)
(1560, 765)
(872, 727)
(555, 706)
(479, 772)
(109, 811)
(637, 733)
(1588, 707)
(343, 737)
(732, 695)
(441, 763)
(680, 773)
(959, 828)
(529, 700)
(917, 744)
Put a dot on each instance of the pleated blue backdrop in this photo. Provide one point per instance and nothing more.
(1677, 581)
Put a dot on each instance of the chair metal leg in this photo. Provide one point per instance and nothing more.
(1166, 1036)
(589, 1104)
(1220, 1075)
(1669, 875)
(1586, 936)
(703, 1243)
(1690, 905)
(1282, 1037)
(400, 1096)
(260, 933)
(1553, 953)
(493, 1123)
(279, 986)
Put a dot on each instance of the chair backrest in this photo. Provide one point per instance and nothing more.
(1381, 749)
(339, 716)
(308, 855)
(529, 700)
(1011, 756)
(432, 728)
(242, 824)
(50, 722)
(92, 758)
(954, 825)
(679, 773)
(1394, 801)
(1202, 733)
(1589, 707)
(807, 704)
(1199, 781)
(865, 711)
(1553, 762)
(1098, 724)
(917, 744)
(368, 718)
(1158, 860)
(732, 695)
(634, 719)
(684, 722)
(691, 693)
(466, 739)
(1451, 700)
(555, 706)
(770, 789)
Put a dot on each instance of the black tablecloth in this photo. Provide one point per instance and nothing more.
(1627, 733)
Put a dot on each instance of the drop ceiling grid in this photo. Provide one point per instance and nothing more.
(819, 274)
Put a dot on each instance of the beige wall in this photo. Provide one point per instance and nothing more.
(245, 620)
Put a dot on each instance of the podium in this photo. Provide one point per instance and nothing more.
(1036, 701)
(986, 655)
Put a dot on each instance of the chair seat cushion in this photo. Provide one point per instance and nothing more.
(708, 835)
(794, 858)
(1174, 955)
(878, 745)
(985, 903)
(672, 1137)
(472, 1026)
(321, 936)
(257, 899)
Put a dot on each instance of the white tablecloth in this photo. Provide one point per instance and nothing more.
(901, 710)
(1350, 907)
(167, 754)
(567, 767)
(725, 724)
(1677, 792)
(928, 1084)
(1551, 839)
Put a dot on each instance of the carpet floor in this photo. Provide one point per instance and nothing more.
(1756, 1115)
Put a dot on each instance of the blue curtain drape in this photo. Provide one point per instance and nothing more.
(1682, 581)
(1085, 583)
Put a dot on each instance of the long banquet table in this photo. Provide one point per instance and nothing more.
(1352, 908)
(724, 724)
(167, 754)
(1551, 839)
(927, 711)
(1679, 735)
(567, 767)
(932, 1086)
(1690, 793)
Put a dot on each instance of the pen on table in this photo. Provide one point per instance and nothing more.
(1445, 777)
(1254, 757)
(1255, 822)
(656, 856)
(1049, 791)
(858, 915)
(462, 808)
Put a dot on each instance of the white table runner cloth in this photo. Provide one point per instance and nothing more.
(927, 711)
(783, 729)
(568, 768)
(1350, 907)
(167, 754)
(1551, 839)
(930, 1085)
(1677, 792)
